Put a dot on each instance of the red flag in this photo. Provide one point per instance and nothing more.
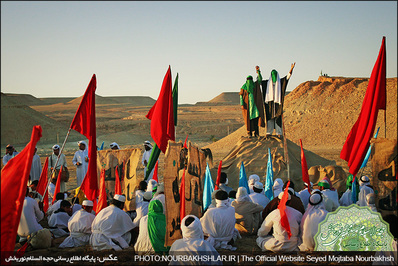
(182, 197)
(13, 191)
(46, 203)
(57, 185)
(102, 203)
(357, 143)
(217, 185)
(162, 115)
(22, 250)
(185, 143)
(282, 207)
(118, 187)
(41, 186)
(155, 172)
(84, 123)
(304, 168)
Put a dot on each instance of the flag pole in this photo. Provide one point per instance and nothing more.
(60, 152)
(385, 122)
(285, 147)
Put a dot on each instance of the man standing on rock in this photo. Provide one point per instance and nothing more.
(274, 94)
(252, 105)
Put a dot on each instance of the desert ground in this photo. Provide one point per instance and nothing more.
(320, 112)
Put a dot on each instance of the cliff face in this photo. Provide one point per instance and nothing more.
(322, 112)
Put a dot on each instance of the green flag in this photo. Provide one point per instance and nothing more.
(155, 150)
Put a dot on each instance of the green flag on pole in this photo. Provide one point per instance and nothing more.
(155, 150)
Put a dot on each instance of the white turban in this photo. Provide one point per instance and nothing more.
(120, 198)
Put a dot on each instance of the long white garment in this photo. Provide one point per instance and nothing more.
(219, 225)
(139, 198)
(61, 162)
(145, 157)
(141, 212)
(279, 240)
(346, 199)
(35, 170)
(192, 243)
(76, 207)
(277, 187)
(309, 225)
(111, 229)
(364, 190)
(259, 198)
(58, 224)
(330, 200)
(53, 208)
(143, 244)
(79, 226)
(8, 157)
(304, 195)
(81, 169)
(30, 216)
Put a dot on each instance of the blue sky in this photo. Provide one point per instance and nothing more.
(51, 49)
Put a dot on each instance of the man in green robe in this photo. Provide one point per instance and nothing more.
(251, 101)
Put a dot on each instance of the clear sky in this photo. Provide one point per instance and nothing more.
(51, 49)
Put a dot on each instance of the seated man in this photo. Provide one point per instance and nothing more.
(277, 187)
(252, 180)
(111, 227)
(152, 232)
(79, 226)
(35, 195)
(331, 203)
(224, 183)
(219, 223)
(247, 213)
(58, 221)
(58, 199)
(312, 217)
(279, 240)
(143, 209)
(304, 194)
(258, 195)
(75, 205)
(30, 217)
(139, 194)
(364, 189)
(192, 242)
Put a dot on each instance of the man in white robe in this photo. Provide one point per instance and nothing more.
(142, 210)
(57, 204)
(80, 159)
(279, 240)
(192, 242)
(58, 221)
(111, 227)
(258, 195)
(61, 162)
(346, 198)
(35, 170)
(219, 223)
(79, 226)
(10, 153)
(145, 157)
(277, 187)
(312, 217)
(364, 190)
(114, 146)
(252, 180)
(30, 217)
(304, 195)
(331, 203)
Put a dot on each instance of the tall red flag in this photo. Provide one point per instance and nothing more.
(182, 197)
(57, 185)
(102, 203)
(118, 187)
(155, 172)
(217, 185)
(357, 143)
(13, 191)
(46, 203)
(162, 115)
(282, 210)
(84, 123)
(304, 168)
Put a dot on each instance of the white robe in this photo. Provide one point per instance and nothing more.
(143, 244)
(58, 224)
(346, 198)
(313, 216)
(76, 207)
(61, 162)
(53, 208)
(279, 241)
(304, 195)
(35, 170)
(81, 169)
(259, 198)
(192, 244)
(330, 200)
(30, 218)
(111, 229)
(219, 225)
(145, 157)
(8, 157)
(141, 212)
(364, 190)
(79, 226)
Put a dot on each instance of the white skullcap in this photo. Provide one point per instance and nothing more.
(56, 147)
(281, 195)
(315, 199)
(148, 195)
(120, 198)
(81, 142)
(88, 203)
(258, 185)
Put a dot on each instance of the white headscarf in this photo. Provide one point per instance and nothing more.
(274, 93)
(277, 187)
(253, 179)
(192, 231)
(241, 195)
(82, 142)
(114, 144)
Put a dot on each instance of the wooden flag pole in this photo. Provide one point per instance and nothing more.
(285, 148)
